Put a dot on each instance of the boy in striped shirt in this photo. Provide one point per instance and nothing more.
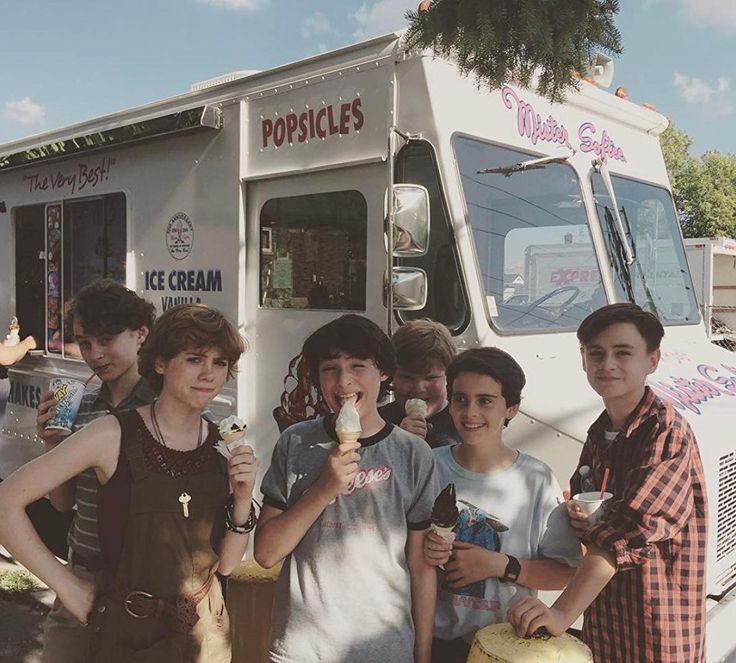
(110, 323)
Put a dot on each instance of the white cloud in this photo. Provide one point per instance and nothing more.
(316, 25)
(718, 13)
(697, 92)
(380, 17)
(25, 112)
(235, 4)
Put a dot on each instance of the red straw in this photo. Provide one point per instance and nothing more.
(89, 379)
(605, 481)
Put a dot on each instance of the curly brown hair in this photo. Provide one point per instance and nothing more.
(186, 327)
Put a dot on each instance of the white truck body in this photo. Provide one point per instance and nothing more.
(712, 262)
(230, 213)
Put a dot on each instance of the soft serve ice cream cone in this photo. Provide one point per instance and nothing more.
(415, 407)
(445, 513)
(232, 428)
(347, 425)
(232, 432)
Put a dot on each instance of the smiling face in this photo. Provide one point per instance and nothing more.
(617, 363)
(344, 377)
(110, 356)
(430, 386)
(478, 408)
(193, 377)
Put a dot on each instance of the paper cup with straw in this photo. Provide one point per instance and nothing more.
(592, 503)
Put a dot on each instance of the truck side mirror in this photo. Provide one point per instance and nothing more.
(411, 220)
(408, 288)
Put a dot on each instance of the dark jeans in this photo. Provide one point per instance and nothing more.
(449, 651)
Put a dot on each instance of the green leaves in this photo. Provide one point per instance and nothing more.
(502, 41)
(704, 187)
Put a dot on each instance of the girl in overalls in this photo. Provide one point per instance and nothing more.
(170, 513)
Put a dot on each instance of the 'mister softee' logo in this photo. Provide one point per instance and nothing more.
(179, 236)
(689, 393)
(533, 126)
(321, 123)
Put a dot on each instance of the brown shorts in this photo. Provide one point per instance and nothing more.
(65, 640)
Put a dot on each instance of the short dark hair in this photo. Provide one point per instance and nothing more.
(496, 364)
(647, 324)
(188, 327)
(107, 307)
(419, 344)
(355, 336)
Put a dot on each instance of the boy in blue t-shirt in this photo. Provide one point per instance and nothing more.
(349, 519)
(512, 536)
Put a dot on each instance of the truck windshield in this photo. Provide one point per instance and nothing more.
(658, 279)
(535, 255)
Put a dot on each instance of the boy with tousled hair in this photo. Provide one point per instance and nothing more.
(109, 322)
(348, 519)
(512, 536)
(424, 348)
(642, 583)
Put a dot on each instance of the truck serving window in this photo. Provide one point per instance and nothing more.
(59, 248)
(532, 241)
(658, 280)
(313, 250)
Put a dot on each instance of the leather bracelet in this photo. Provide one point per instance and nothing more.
(249, 525)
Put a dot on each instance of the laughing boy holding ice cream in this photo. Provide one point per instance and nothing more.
(642, 583)
(347, 501)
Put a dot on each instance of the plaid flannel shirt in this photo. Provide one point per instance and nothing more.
(653, 609)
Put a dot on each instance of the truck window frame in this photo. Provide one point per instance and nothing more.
(531, 154)
(439, 218)
(604, 233)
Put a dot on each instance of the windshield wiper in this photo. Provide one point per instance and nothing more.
(642, 277)
(618, 226)
(525, 165)
(619, 264)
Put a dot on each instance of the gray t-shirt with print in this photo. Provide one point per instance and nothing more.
(518, 511)
(344, 593)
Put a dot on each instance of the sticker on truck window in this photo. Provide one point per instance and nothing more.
(492, 308)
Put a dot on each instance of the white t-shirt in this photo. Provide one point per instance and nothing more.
(518, 511)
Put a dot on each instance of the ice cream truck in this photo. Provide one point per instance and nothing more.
(383, 182)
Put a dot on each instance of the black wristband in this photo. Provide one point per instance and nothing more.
(513, 569)
(249, 525)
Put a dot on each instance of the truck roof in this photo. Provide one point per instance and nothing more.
(373, 52)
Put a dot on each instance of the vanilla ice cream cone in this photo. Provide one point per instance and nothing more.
(347, 425)
(416, 407)
(348, 436)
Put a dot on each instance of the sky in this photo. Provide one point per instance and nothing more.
(65, 62)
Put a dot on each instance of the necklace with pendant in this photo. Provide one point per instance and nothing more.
(185, 497)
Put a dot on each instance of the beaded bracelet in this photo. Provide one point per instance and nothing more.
(249, 525)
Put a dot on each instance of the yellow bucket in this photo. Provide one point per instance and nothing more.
(498, 643)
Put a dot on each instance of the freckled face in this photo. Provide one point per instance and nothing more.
(194, 376)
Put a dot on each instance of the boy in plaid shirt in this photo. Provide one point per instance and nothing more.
(642, 584)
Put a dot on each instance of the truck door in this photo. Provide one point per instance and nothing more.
(314, 251)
